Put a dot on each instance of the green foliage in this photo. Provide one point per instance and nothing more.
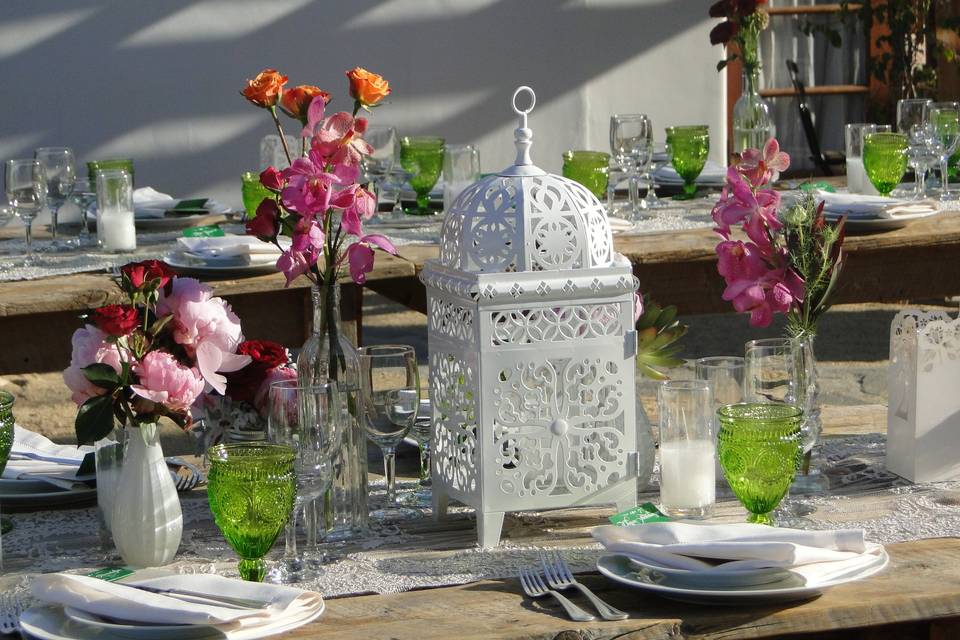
(658, 331)
(94, 419)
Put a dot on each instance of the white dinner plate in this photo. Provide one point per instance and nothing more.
(791, 588)
(22, 494)
(855, 224)
(187, 265)
(715, 579)
(135, 630)
(406, 222)
(50, 622)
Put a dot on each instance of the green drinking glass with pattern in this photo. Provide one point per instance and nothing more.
(422, 158)
(251, 488)
(6, 428)
(95, 166)
(253, 193)
(760, 447)
(885, 160)
(589, 168)
(688, 147)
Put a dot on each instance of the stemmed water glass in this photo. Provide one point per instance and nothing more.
(61, 173)
(26, 191)
(912, 121)
(885, 160)
(422, 157)
(688, 147)
(386, 154)
(420, 433)
(944, 117)
(84, 194)
(309, 420)
(390, 397)
(631, 143)
(650, 201)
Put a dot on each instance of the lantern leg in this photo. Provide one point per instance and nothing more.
(489, 525)
(440, 500)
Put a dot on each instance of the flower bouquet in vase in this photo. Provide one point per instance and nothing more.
(319, 204)
(789, 263)
(152, 357)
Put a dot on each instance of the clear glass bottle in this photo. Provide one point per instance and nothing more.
(752, 117)
(329, 355)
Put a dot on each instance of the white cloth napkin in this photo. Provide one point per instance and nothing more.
(713, 174)
(284, 605)
(738, 547)
(36, 457)
(230, 248)
(857, 206)
(150, 203)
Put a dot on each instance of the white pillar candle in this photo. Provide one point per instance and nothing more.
(688, 474)
(116, 230)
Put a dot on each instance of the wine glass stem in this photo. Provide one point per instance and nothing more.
(945, 176)
(54, 212)
(84, 217)
(424, 462)
(634, 192)
(921, 178)
(29, 225)
(390, 472)
(290, 547)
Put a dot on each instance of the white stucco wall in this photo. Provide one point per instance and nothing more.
(159, 80)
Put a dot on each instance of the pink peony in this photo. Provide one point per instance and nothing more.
(89, 346)
(165, 381)
(277, 374)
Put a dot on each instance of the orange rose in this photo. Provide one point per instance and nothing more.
(264, 90)
(295, 101)
(366, 87)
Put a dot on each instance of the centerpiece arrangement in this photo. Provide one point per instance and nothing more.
(319, 203)
(790, 262)
(155, 356)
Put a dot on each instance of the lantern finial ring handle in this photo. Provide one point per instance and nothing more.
(533, 100)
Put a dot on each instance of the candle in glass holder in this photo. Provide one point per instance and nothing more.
(116, 230)
(687, 449)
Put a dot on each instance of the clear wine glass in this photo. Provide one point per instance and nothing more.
(390, 397)
(911, 120)
(61, 173)
(386, 155)
(944, 117)
(658, 158)
(85, 195)
(631, 143)
(422, 427)
(26, 190)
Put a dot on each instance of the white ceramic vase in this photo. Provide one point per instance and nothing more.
(147, 522)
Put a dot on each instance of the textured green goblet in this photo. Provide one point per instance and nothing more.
(688, 147)
(589, 168)
(253, 192)
(94, 166)
(760, 448)
(251, 487)
(885, 159)
(422, 157)
(6, 428)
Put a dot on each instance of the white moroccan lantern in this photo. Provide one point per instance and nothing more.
(532, 348)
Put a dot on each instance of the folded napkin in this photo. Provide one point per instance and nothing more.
(620, 224)
(35, 457)
(713, 174)
(858, 206)
(283, 605)
(149, 203)
(732, 547)
(230, 248)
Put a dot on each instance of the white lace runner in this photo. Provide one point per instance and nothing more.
(424, 554)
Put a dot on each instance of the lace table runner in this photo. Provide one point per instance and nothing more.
(426, 554)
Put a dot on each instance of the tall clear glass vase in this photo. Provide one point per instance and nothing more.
(752, 117)
(329, 355)
(810, 477)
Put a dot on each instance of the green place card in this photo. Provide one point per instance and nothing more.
(817, 186)
(196, 203)
(642, 514)
(206, 231)
(111, 574)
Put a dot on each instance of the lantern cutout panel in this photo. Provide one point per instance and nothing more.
(532, 349)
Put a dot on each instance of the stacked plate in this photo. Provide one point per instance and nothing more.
(224, 255)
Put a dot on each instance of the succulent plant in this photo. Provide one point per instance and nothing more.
(658, 331)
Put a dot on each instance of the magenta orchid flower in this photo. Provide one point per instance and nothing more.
(338, 139)
(309, 187)
(360, 255)
(762, 168)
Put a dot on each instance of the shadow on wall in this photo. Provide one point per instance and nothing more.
(160, 81)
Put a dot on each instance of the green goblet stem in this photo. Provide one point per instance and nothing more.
(252, 569)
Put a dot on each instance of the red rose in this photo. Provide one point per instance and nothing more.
(116, 319)
(243, 385)
(271, 179)
(140, 273)
(266, 224)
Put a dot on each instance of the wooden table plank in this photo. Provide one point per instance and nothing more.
(921, 585)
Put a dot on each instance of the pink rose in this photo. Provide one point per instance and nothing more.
(89, 346)
(165, 381)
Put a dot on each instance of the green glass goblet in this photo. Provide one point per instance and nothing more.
(885, 159)
(760, 447)
(253, 192)
(688, 147)
(251, 487)
(422, 157)
(96, 166)
(6, 442)
(589, 168)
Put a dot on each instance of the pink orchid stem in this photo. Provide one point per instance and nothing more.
(283, 138)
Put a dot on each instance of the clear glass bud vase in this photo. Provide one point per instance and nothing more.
(752, 117)
(329, 355)
(809, 478)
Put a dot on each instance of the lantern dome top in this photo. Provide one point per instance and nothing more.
(525, 219)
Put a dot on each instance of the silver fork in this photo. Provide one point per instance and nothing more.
(10, 609)
(560, 577)
(534, 587)
(184, 481)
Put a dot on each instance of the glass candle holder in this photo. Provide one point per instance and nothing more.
(116, 231)
(687, 449)
(461, 168)
(589, 168)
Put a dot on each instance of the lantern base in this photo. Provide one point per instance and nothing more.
(489, 526)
